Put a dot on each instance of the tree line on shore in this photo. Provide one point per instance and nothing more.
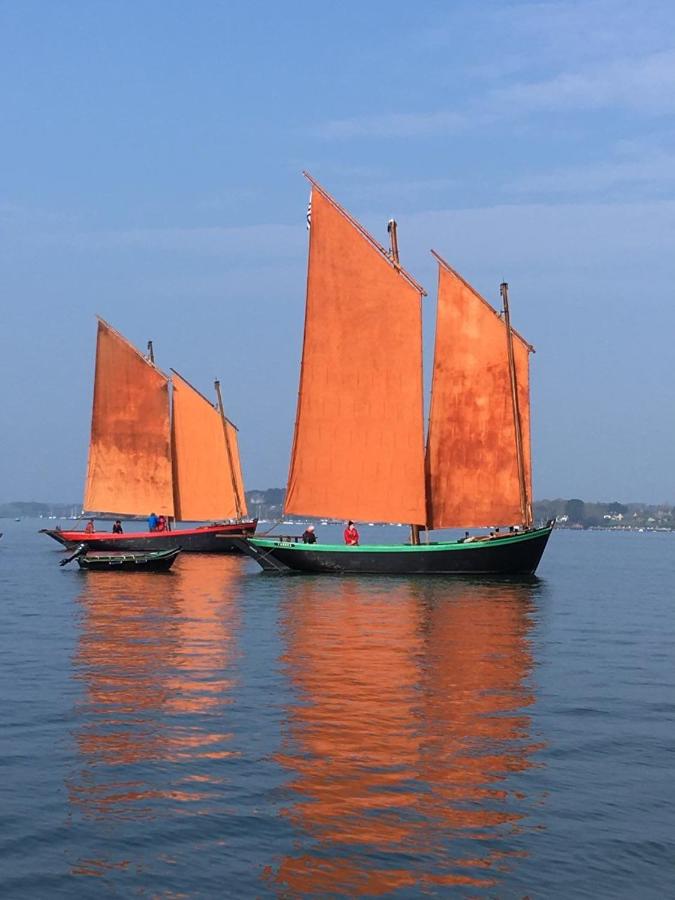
(569, 512)
(576, 513)
(572, 513)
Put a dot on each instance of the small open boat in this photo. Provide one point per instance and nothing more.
(152, 561)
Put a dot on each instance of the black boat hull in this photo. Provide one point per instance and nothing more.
(514, 555)
(156, 561)
(207, 539)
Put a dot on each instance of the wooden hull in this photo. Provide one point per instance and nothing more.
(157, 561)
(510, 556)
(207, 539)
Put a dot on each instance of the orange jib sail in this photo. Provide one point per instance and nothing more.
(472, 464)
(358, 450)
(129, 470)
(208, 484)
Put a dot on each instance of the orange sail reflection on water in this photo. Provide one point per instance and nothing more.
(476, 693)
(207, 631)
(154, 654)
(410, 716)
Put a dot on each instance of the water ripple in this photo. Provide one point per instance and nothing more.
(216, 732)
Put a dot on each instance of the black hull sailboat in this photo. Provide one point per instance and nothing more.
(359, 448)
(516, 555)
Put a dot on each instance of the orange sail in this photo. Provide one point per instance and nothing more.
(472, 465)
(208, 483)
(129, 471)
(358, 450)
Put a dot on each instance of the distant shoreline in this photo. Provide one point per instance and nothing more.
(571, 514)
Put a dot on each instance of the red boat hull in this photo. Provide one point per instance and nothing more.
(205, 539)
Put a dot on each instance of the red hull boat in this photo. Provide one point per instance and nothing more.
(203, 539)
(158, 444)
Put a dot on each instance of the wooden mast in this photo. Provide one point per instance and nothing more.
(150, 356)
(525, 501)
(393, 252)
(235, 487)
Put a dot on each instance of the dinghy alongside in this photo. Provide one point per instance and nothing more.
(152, 561)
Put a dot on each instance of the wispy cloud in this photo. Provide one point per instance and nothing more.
(552, 57)
(395, 195)
(644, 85)
(392, 125)
(654, 168)
(550, 33)
(235, 244)
(15, 215)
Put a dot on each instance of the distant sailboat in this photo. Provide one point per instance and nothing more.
(156, 448)
(359, 449)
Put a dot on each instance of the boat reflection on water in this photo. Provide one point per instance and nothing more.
(156, 656)
(408, 734)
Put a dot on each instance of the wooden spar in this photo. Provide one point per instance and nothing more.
(235, 488)
(525, 501)
(393, 242)
(393, 253)
(439, 259)
(171, 520)
(365, 234)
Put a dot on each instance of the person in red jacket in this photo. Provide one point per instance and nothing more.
(351, 535)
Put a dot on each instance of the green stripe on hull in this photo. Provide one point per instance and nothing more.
(270, 543)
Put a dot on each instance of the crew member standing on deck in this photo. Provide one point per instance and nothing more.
(117, 527)
(351, 535)
(308, 536)
(152, 522)
(89, 527)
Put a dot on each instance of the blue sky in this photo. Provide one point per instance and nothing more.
(150, 171)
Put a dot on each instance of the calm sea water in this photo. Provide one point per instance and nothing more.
(218, 732)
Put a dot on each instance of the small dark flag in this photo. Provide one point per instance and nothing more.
(309, 213)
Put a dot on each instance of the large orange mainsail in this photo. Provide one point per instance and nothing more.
(472, 464)
(129, 469)
(358, 450)
(208, 482)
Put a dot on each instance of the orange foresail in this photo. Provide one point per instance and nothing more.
(204, 481)
(358, 450)
(129, 470)
(472, 467)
